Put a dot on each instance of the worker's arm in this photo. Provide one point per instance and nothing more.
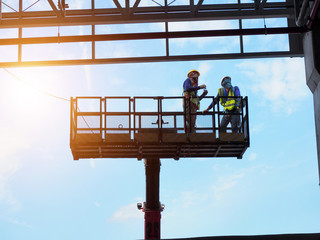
(236, 91)
(187, 86)
(237, 94)
(205, 92)
(215, 101)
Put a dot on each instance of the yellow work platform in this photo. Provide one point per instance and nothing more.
(134, 130)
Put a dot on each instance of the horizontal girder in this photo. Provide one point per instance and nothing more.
(173, 58)
(132, 12)
(145, 15)
(153, 35)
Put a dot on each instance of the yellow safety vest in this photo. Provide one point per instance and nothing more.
(228, 103)
(192, 96)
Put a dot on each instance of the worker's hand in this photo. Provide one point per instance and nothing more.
(205, 92)
(202, 86)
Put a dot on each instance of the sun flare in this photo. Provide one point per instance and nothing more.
(30, 87)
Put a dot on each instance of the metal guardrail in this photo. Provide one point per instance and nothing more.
(103, 116)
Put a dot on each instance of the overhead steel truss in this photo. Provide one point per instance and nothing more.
(131, 12)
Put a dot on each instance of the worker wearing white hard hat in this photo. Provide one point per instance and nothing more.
(227, 96)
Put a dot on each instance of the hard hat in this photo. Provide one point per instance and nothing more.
(225, 78)
(191, 71)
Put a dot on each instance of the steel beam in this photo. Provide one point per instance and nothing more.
(135, 6)
(174, 58)
(144, 15)
(116, 2)
(136, 14)
(199, 5)
(151, 36)
(54, 8)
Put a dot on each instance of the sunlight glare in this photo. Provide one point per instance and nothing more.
(32, 88)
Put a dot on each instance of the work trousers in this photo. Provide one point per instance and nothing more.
(233, 119)
(190, 116)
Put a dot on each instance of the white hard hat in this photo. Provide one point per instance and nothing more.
(225, 78)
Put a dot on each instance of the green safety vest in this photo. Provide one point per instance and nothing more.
(192, 96)
(228, 103)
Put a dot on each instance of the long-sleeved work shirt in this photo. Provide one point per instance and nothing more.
(187, 86)
(236, 94)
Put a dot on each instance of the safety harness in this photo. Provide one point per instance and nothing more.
(192, 95)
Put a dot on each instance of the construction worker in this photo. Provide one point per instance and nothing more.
(231, 105)
(191, 99)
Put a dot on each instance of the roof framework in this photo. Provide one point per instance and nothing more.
(127, 12)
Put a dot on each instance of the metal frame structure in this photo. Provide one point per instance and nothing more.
(132, 133)
(96, 143)
(164, 12)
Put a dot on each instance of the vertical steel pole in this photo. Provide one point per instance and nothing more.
(71, 118)
(20, 33)
(166, 27)
(93, 33)
(240, 27)
(152, 206)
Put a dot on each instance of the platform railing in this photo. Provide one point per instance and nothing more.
(122, 119)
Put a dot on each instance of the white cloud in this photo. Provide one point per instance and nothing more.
(176, 91)
(225, 184)
(279, 83)
(252, 156)
(117, 49)
(20, 223)
(116, 81)
(126, 213)
(190, 198)
(198, 26)
(156, 27)
(221, 187)
(256, 128)
(92, 164)
(204, 69)
(201, 25)
(87, 70)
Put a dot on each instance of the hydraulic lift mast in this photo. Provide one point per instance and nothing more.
(152, 207)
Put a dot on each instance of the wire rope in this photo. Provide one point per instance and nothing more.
(45, 92)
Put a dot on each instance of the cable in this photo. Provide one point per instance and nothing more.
(40, 90)
(46, 93)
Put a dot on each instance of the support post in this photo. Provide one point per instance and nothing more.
(311, 47)
(152, 206)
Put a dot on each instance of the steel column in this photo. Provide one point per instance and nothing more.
(152, 206)
(311, 47)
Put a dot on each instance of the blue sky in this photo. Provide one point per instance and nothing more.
(45, 194)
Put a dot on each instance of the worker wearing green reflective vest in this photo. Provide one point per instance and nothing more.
(191, 101)
(231, 105)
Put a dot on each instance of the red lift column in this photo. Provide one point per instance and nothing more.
(152, 206)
